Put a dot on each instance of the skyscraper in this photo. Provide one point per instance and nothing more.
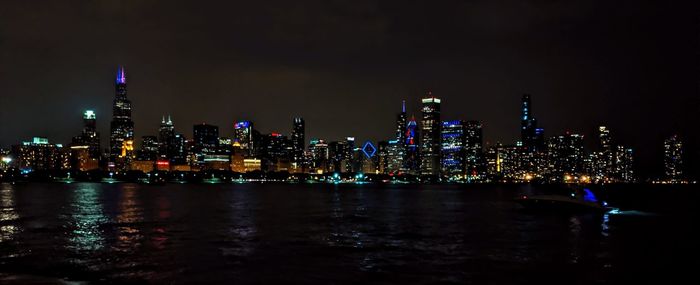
(453, 151)
(166, 133)
(473, 147)
(298, 143)
(411, 163)
(396, 149)
(243, 135)
(528, 126)
(89, 136)
(122, 127)
(206, 139)
(430, 137)
(673, 158)
(566, 156)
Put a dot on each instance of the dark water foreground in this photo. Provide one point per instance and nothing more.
(311, 234)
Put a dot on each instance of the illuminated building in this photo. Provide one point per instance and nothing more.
(529, 135)
(220, 162)
(397, 151)
(225, 146)
(319, 154)
(298, 140)
(237, 164)
(624, 165)
(430, 137)
(381, 158)
(274, 151)
(206, 140)
(149, 148)
(89, 137)
(178, 150)
(40, 155)
(121, 127)
(367, 161)
(162, 165)
(565, 156)
(473, 148)
(80, 159)
(166, 134)
(673, 158)
(251, 164)
(604, 165)
(144, 166)
(243, 134)
(453, 155)
(411, 163)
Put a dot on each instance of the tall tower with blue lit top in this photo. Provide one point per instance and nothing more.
(121, 140)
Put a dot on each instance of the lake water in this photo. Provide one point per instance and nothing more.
(337, 234)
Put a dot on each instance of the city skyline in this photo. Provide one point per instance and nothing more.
(638, 72)
(452, 149)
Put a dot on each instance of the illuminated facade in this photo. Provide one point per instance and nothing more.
(243, 135)
(149, 148)
(274, 151)
(206, 139)
(298, 140)
(396, 149)
(624, 165)
(89, 137)
(411, 161)
(673, 158)
(121, 127)
(565, 156)
(530, 137)
(453, 155)
(318, 150)
(430, 137)
(39, 154)
(166, 134)
(473, 147)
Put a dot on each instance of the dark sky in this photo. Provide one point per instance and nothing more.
(345, 66)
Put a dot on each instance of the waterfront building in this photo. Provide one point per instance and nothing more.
(430, 136)
(673, 158)
(122, 127)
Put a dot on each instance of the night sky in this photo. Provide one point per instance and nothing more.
(345, 66)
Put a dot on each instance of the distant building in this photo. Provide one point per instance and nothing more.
(89, 136)
(624, 165)
(166, 134)
(529, 135)
(243, 135)
(39, 154)
(122, 126)
(430, 137)
(396, 149)
(319, 155)
(206, 139)
(411, 163)
(149, 148)
(566, 156)
(298, 140)
(80, 159)
(673, 158)
(473, 147)
(453, 149)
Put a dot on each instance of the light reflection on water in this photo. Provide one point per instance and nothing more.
(241, 231)
(87, 216)
(209, 234)
(8, 213)
(129, 237)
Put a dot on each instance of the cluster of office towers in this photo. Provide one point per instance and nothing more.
(430, 149)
